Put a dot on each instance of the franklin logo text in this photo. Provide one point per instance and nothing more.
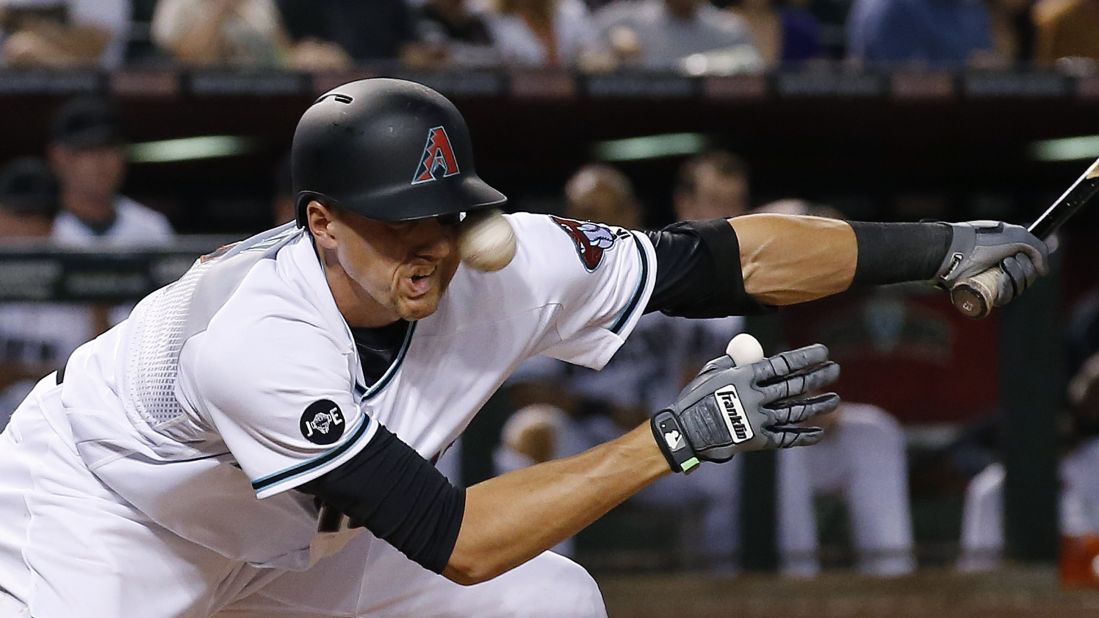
(735, 418)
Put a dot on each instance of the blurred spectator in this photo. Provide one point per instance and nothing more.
(783, 34)
(602, 193)
(1066, 29)
(932, 34)
(221, 32)
(1012, 31)
(553, 33)
(461, 34)
(35, 338)
(28, 199)
(690, 35)
(982, 518)
(64, 33)
(87, 153)
(335, 34)
(1082, 333)
(712, 185)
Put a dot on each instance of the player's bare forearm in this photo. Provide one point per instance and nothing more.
(514, 517)
(788, 259)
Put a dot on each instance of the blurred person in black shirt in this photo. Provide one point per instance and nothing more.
(460, 34)
(348, 32)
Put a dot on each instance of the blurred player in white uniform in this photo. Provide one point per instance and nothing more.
(863, 460)
(982, 537)
(88, 154)
(35, 337)
(256, 438)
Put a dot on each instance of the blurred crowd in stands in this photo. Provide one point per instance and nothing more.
(694, 36)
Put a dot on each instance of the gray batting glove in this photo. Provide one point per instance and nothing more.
(727, 409)
(977, 246)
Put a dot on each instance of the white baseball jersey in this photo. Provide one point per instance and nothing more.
(982, 536)
(135, 225)
(241, 380)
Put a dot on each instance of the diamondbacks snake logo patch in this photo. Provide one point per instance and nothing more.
(592, 240)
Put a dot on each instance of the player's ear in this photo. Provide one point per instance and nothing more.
(318, 218)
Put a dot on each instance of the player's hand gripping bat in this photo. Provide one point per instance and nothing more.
(975, 297)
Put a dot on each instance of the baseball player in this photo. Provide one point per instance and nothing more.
(982, 533)
(255, 439)
(87, 152)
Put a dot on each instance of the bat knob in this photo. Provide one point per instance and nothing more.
(970, 301)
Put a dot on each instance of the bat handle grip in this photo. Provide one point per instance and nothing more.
(975, 297)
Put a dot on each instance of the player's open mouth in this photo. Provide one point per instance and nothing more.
(420, 284)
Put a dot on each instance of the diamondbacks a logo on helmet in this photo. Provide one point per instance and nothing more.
(438, 156)
(740, 430)
(592, 240)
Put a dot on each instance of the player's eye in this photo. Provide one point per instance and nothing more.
(401, 226)
(449, 220)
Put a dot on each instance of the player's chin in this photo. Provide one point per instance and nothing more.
(419, 307)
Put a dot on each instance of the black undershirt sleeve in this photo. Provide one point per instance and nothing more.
(399, 496)
(698, 271)
(899, 252)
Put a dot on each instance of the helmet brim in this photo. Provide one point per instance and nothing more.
(442, 197)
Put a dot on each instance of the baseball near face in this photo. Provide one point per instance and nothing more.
(744, 349)
(486, 241)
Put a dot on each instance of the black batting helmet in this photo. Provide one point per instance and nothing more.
(386, 149)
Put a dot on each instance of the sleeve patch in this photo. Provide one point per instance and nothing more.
(591, 240)
(322, 422)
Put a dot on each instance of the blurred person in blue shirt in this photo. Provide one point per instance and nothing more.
(782, 32)
(935, 34)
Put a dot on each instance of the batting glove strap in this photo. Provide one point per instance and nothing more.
(672, 439)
